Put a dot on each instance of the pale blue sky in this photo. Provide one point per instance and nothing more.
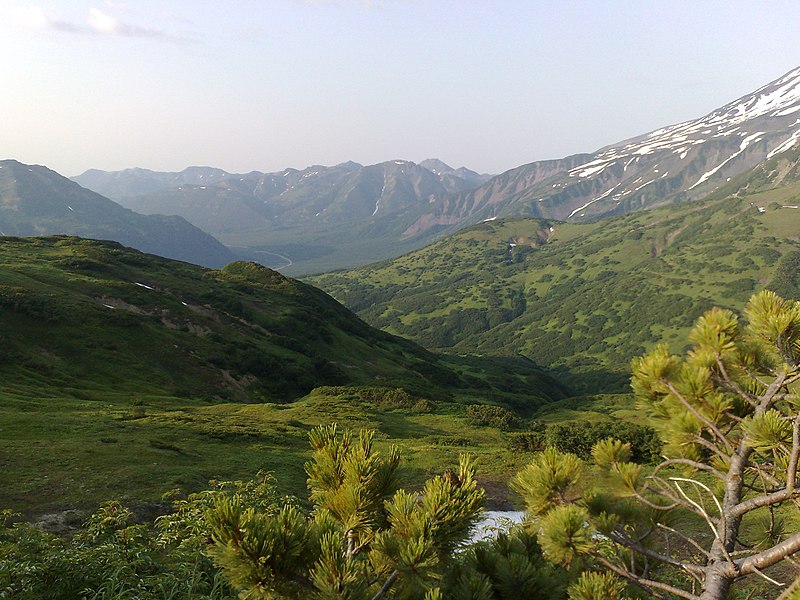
(263, 85)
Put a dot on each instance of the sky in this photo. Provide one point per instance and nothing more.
(263, 85)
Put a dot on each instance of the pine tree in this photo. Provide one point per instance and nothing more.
(363, 539)
(729, 415)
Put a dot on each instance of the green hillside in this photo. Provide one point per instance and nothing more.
(126, 374)
(584, 297)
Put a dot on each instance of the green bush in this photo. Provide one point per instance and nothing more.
(579, 437)
(377, 397)
(492, 416)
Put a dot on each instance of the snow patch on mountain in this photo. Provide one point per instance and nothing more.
(789, 143)
(745, 142)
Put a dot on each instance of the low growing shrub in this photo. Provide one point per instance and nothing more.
(492, 416)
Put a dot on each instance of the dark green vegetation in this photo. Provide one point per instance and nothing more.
(585, 298)
(722, 505)
(37, 201)
(715, 519)
(364, 538)
(84, 313)
(125, 374)
(721, 417)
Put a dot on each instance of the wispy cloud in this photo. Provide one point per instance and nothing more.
(368, 4)
(97, 22)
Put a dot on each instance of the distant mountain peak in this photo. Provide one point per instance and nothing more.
(35, 200)
(774, 100)
(436, 165)
(679, 162)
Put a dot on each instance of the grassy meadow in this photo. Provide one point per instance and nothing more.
(125, 375)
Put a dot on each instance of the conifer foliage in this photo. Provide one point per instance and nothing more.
(364, 537)
(713, 511)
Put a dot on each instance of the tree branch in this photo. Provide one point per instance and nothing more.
(703, 486)
(665, 491)
(769, 557)
(647, 585)
(791, 470)
(685, 538)
(726, 382)
(765, 500)
(706, 444)
(768, 397)
(387, 585)
(624, 540)
(653, 505)
(699, 508)
(691, 463)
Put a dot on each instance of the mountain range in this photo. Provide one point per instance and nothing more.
(589, 296)
(37, 201)
(677, 163)
(292, 217)
(321, 218)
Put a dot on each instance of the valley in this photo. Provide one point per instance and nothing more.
(598, 339)
(586, 297)
(209, 372)
(110, 355)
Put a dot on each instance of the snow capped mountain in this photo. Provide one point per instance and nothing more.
(675, 163)
(400, 205)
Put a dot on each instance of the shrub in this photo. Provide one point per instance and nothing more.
(579, 437)
(492, 416)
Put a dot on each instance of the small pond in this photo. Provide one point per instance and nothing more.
(493, 520)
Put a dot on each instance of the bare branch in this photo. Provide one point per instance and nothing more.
(685, 538)
(702, 485)
(646, 584)
(691, 463)
(770, 579)
(653, 505)
(706, 444)
(386, 586)
(699, 508)
(665, 491)
(624, 540)
(762, 474)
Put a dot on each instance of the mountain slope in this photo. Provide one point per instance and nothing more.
(37, 201)
(588, 295)
(78, 313)
(147, 323)
(676, 163)
(125, 375)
